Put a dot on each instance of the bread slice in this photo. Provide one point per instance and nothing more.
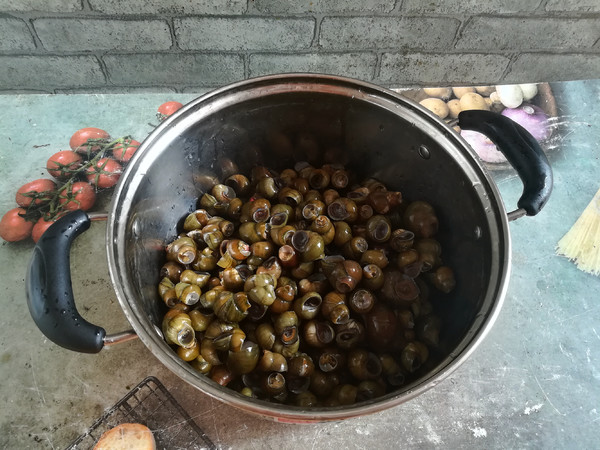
(127, 436)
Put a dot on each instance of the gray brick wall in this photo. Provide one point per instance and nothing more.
(470, 7)
(184, 46)
(356, 65)
(73, 35)
(60, 6)
(159, 69)
(167, 7)
(43, 72)
(573, 5)
(452, 69)
(506, 33)
(360, 7)
(540, 65)
(369, 33)
(244, 33)
(15, 35)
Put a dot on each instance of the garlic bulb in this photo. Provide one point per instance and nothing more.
(529, 90)
(510, 95)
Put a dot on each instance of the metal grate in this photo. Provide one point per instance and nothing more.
(150, 404)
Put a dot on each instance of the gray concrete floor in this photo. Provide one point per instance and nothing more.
(533, 383)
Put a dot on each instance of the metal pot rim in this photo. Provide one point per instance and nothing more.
(271, 85)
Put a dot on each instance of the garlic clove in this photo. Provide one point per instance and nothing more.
(510, 95)
(529, 90)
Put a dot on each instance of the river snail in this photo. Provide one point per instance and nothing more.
(261, 288)
(200, 319)
(231, 307)
(272, 362)
(177, 329)
(364, 365)
(305, 286)
(182, 250)
(240, 184)
(318, 333)
(308, 306)
(343, 274)
(350, 334)
(171, 270)
(316, 282)
(244, 359)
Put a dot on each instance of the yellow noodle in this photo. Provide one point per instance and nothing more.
(581, 244)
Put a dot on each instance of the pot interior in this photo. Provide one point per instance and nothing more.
(277, 122)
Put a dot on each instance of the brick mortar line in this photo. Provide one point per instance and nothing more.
(511, 61)
(459, 31)
(117, 52)
(103, 68)
(520, 15)
(316, 32)
(398, 6)
(147, 16)
(84, 14)
(36, 39)
(174, 43)
(377, 68)
(250, 6)
(107, 17)
(578, 51)
(547, 15)
(246, 60)
(415, 50)
(308, 51)
(542, 5)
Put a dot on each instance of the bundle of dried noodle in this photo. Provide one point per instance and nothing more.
(581, 243)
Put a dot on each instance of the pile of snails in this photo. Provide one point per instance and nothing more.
(305, 287)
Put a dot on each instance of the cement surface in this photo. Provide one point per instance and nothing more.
(534, 382)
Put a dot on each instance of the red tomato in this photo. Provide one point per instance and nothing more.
(61, 165)
(40, 227)
(40, 190)
(79, 195)
(13, 227)
(168, 108)
(83, 140)
(105, 173)
(123, 151)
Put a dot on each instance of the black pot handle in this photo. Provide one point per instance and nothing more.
(522, 151)
(49, 289)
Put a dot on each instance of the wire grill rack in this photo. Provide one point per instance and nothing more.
(150, 404)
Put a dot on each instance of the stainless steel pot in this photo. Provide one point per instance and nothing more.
(382, 135)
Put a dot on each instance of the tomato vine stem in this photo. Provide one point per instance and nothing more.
(50, 206)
